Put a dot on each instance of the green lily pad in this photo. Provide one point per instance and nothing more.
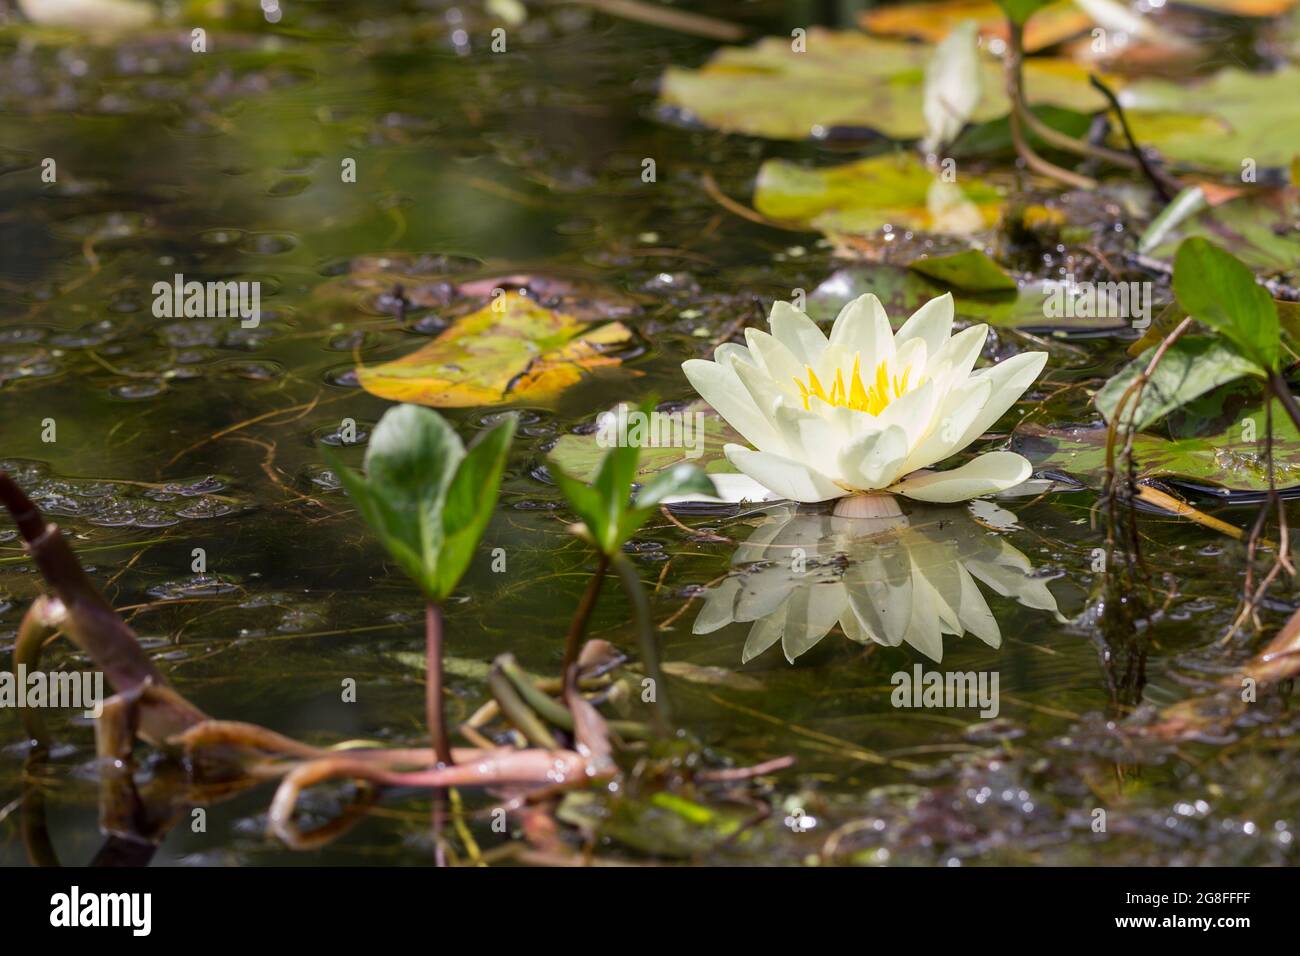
(902, 291)
(1221, 122)
(860, 198)
(847, 79)
(1226, 460)
(579, 456)
(971, 270)
(1259, 232)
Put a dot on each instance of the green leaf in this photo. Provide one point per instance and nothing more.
(969, 271)
(1021, 10)
(1217, 289)
(409, 463)
(614, 486)
(471, 498)
(586, 503)
(681, 479)
(1190, 367)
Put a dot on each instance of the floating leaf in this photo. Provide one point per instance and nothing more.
(1226, 460)
(903, 291)
(971, 271)
(933, 21)
(861, 197)
(1257, 228)
(847, 79)
(1228, 118)
(1190, 367)
(512, 350)
(580, 455)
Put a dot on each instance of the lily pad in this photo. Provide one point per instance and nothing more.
(971, 270)
(1221, 122)
(861, 197)
(1226, 460)
(511, 350)
(847, 79)
(579, 456)
(1257, 230)
(902, 291)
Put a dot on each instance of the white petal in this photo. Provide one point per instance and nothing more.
(720, 386)
(1010, 380)
(932, 323)
(775, 359)
(987, 473)
(807, 435)
(960, 353)
(798, 333)
(949, 424)
(729, 352)
(913, 413)
(783, 476)
(872, 460)
(863, 327)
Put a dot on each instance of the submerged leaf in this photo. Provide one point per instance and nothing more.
(512, 350)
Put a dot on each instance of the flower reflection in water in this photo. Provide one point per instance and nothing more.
(893, 578)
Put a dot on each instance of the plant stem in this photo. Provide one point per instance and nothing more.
(433, 703)
(578, 626)
(1283, 393)
(662, 716)
(1015, 87)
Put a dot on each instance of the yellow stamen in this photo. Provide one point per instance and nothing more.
(885, 388)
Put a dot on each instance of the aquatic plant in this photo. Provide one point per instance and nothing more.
(429, 499)
(867, 409)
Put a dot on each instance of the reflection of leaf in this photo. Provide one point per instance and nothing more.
(863, 196)
(847, 79)
(523, 351)
(971, 270)
(1190, 367)
(933, 21)
(580, 455)
(1221, 121)
(1225, 460)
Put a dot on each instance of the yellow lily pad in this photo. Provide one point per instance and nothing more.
(933, 20)
(512, 350)
(848, 79)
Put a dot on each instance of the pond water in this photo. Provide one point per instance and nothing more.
(177, 434)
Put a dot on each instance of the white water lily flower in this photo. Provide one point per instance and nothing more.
(867, 409)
